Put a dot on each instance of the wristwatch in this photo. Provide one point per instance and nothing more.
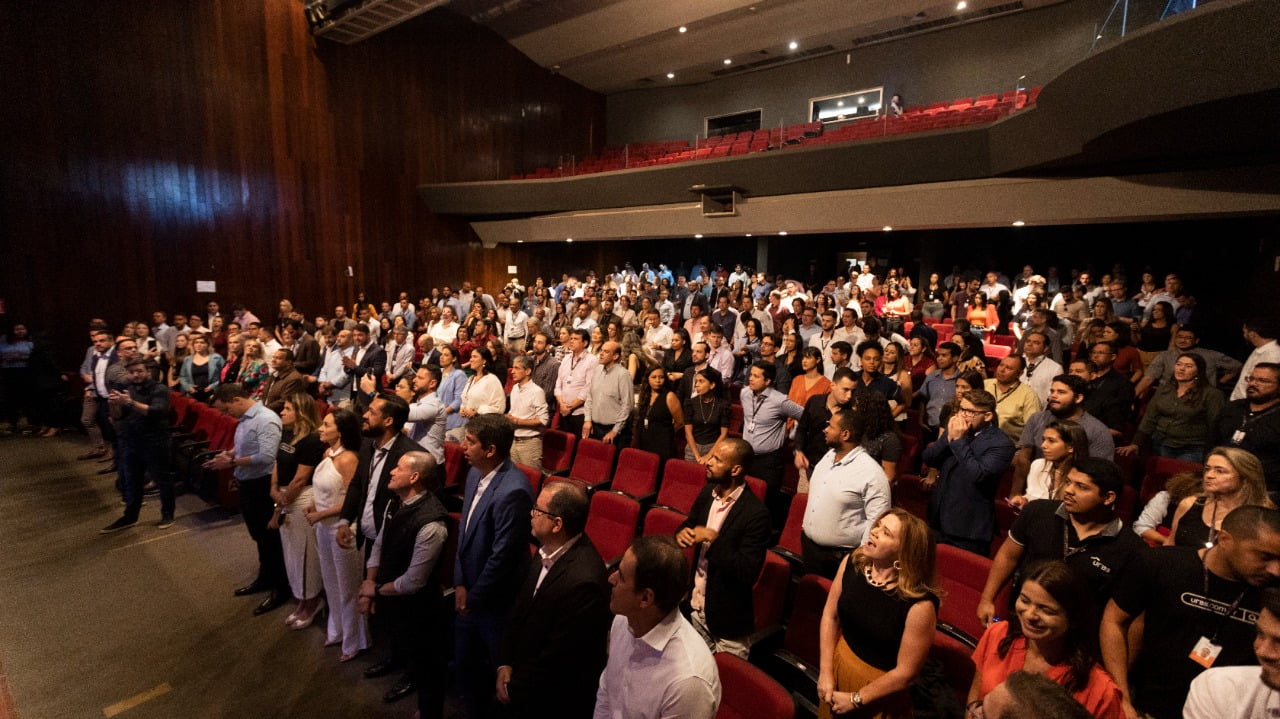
(856, 698)
(377, 590)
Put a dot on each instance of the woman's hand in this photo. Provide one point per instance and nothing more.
(826, 687)
(312, 515)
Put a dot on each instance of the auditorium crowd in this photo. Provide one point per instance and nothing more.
(1019, 423)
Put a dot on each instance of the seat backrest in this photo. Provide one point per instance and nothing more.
(637, 472)
(909, 460)
(748, 693)
(805, 622)
(957, 664)
(665, 522)
(757, 487)
(449, 552)
(593, 462)
(611, 523)
(769, 594)
(534, 476)
(557, 450)
(910, 494)
(1158, 471)
(455, 465)
(790, 539)
(682, 480)
(962, 576)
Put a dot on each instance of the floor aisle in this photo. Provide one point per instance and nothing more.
(142, 623)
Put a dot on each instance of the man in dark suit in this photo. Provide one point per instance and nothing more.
(368, 359)
(365, 506)
(283, 382)
(493, 554)
(971, 455)
(730, 527)
(554, 647)
(306, 350)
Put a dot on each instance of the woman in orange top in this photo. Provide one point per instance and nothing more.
(1054, 632)
(812, 382)
(981, 316)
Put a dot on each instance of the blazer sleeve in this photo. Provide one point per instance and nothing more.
(509, 513)
(740, 555)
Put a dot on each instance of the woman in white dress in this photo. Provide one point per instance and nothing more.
(482, 393)
(342, 569)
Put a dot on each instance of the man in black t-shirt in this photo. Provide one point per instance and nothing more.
(1082, 530)
(1199, 609)
(1253, 423)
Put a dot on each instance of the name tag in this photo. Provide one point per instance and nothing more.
(1205, 652)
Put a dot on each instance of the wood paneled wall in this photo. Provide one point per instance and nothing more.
(150, 145)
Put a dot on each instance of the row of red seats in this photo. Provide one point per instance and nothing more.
(982, 109)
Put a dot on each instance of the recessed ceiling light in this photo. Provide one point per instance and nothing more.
(671, 76)
(862, 100)
(887, 228)
(728, 61)
(748, 234)
(962, 5)
(839, 103)
(698, 236)
(684, 29)
(519, 242)
(782, 232)
(568, 239)
(794, 45)
(1018, 223)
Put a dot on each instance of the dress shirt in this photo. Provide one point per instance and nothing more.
(611, 397)
(484, 395)
(443, 334)
(1039, 375)
(399, 358)
(410, 315)
(426, 417)
(528, 401)
(515, 326)
(427, 545)
(574, 379)
(722, 361)
(546, 370)
(101, 360)
(808, 333)
(660, 336)
(764, 424)
(481, 486)
(938, 391)
(1269, 352)
(258, 438)
(375, 471)
(335, 374)
(549, 560)
(584, 323)
(725, 320)
(1013, 408)
(668, 672)
(844, 498)
(716, 513)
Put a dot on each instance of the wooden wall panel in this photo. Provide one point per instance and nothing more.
(150, 145)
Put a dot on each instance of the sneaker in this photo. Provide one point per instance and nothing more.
(119, 524)
(164, 523)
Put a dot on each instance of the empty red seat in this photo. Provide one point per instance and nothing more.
(962, 576)
(455, 465)
(534, 475)
(682, 480)
(611, 523)
(637, 473)
(593, 463)
(789, 542)
(757, 487)
(769, 595)
(557, 450)
(748, 693)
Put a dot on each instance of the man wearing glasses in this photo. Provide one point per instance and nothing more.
(971, 455)
(1253, 423)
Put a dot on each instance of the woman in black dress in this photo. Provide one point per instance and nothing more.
(658, 415)
(676, 361)
(706, 414)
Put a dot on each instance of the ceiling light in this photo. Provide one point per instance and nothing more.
(962, 5)
(862, 100)
(568, 239)
(727, 61)
(887, 228)
(839, 103)
(1018, 223)
(1099, 37)
(698, 236)
(794, 45)
(783, 232)
(519, 242)
(671, 76)
(684, 29)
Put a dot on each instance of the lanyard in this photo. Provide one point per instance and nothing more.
(1230, 610)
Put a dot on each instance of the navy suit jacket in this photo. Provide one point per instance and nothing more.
(963, 504)
(493, 547)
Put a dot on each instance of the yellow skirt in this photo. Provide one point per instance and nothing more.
(852, 674)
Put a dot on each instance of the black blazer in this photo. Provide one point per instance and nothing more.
(373, 363)
(734, 561)
(556, 641)
(353, 505)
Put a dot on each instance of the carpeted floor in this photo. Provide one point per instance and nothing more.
(142, 623)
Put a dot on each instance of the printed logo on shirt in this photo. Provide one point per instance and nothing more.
(1207, 604)
(1096, 561)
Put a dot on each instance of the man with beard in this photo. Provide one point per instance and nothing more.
(730, 529)
(546, 368)
(811, 430)
(1066, 401)
(1015, 401)
(1253, 423)
(144, 443)
(847, 491)
(1247, 692)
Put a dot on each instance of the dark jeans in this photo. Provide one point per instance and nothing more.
(770, 467)
(598, 431)
(416, 628)
(257, 506)
(139, 458)
(820, 560)
(477, 636)
(572, 424)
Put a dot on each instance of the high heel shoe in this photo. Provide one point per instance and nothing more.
(348, 657)
(303, 622)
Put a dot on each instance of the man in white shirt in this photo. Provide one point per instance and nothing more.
(848, 490)
(658, 665)
(1247, 692)
(823, 338)
(992, 287)
(657, 336)
(573, 381)
(1261, 333)
(335, 383)
(528, 413)
(1040, 369)
(515, 326)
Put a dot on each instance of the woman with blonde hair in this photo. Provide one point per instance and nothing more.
(254, 369)
(879, 620)
(1232, 478)
(300, 451)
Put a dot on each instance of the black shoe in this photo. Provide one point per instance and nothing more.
(252, 588)
(402, 689)
(108, 470)
(381, 669)
(273, 601)
(119, 524)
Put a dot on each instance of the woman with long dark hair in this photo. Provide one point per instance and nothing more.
(1054, 632)
(659, 416)
(706, 414)
(1063, 444)
(1181, 417)
(676, 360)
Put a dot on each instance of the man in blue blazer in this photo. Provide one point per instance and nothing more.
(493, 554)
(971, 456)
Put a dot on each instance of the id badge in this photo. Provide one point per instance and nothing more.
(646, 423)
(1205, 652)
(751, 426)
(1237, 437)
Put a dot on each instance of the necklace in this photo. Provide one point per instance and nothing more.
(878, 585)
(702, 403)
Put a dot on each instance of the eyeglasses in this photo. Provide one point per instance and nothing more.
(540, 510)
(972, 412)
(1252, 379)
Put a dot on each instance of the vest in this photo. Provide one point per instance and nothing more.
(400, 531)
